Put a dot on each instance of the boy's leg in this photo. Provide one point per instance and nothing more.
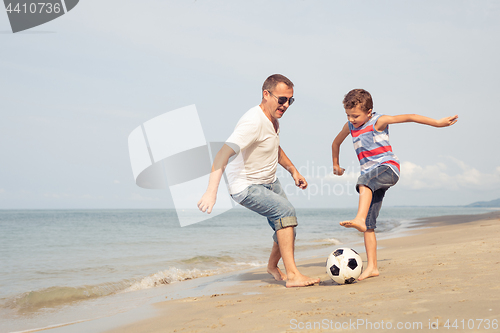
(378, 180)
(371, 255)
(365, 199)
(371, 269)
(368, 185)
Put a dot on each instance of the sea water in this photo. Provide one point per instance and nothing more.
(71, 265)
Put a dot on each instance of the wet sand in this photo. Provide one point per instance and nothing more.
(448, 271)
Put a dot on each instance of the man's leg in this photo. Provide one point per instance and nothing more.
(286, 246)
(272, 265)
(270, 201)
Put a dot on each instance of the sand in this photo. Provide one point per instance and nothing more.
(444, 277)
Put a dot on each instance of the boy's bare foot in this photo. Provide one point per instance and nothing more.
(367, 273)
(276, 273)
(358, 224)
(299, 280)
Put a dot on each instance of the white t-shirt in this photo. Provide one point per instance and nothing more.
(257, 159)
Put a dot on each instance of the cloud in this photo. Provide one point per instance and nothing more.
(451, 176)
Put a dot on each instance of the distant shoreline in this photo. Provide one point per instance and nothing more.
(236, 208)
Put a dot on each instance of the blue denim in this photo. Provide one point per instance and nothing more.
(269, 200)
(379, 180)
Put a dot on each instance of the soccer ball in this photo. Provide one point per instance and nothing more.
(344, 265)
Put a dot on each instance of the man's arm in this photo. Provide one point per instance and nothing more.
(208, 199)
(383, 121)
(285, 162)
(337, 170)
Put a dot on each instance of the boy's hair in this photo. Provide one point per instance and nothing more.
(359, 97)
(272, 81)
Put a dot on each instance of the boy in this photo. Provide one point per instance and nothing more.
(379, 165)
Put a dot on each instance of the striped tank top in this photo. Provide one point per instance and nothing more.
(372, 147)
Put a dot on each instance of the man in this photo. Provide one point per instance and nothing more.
(252, 175)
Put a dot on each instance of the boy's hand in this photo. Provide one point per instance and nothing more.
(337, 170)
(207, 202)
(300, 181)
(448, 121)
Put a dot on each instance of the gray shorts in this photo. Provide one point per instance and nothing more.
(378, 180)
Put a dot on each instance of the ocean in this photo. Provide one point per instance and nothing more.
(64, 266)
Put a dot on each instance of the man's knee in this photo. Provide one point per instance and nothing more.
(285, 222)
(275, 236)
(289, 210)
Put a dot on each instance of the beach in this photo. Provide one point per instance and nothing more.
(441, 277)
(434, 272)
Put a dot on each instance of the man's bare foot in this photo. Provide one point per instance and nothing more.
(276, 273)
(358, 224)
(299, 280)
(367, 273)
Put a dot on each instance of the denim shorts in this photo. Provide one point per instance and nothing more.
(378, 180)
(269, 200)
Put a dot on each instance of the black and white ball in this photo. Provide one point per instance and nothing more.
(344, 265)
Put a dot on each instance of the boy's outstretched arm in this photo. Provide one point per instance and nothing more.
(208, 199)
(337, 170)
(383, 121)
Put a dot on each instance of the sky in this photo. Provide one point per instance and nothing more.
(72, 91)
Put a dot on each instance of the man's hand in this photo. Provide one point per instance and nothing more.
(300, 181)
(448, 121)
(207, 202)
(337, 170)
(208, 199)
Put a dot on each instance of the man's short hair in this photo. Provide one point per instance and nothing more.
(359, 97)
(272, 81)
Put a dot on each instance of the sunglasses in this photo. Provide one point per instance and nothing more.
(282, 99)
